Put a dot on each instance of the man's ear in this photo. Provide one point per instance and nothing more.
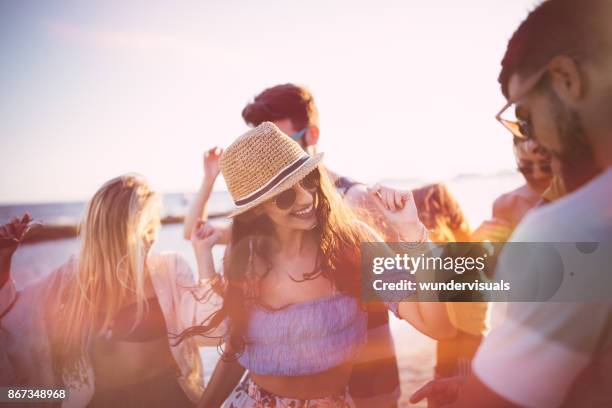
(566, 80)
(312, 135)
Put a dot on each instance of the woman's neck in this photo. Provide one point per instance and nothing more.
(292, 242)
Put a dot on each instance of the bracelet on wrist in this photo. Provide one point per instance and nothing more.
(217, 284)
(424, 237)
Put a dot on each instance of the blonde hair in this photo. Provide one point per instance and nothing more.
(110, 271)
(529, 146)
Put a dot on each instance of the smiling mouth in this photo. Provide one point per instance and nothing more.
(304, 213)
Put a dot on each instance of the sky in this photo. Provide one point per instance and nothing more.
(92, 90)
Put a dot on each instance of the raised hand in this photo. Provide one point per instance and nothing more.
(399, 208)
(204, 236)
(11, 235)
(211, 162)
(13, 232)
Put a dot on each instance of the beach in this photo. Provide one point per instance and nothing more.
(416, 352)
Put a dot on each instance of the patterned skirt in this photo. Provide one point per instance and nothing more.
(247, 394)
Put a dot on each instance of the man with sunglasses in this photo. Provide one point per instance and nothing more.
(557, 77)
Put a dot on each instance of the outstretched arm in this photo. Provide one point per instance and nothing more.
(198, 209)
(11, 235)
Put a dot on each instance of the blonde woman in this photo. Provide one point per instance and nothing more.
(101, 325)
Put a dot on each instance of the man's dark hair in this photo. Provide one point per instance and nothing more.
(287, 101)
(558, 27)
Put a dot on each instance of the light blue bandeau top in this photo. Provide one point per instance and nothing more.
(304, 338)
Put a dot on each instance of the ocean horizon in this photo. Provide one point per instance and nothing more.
(175, 204)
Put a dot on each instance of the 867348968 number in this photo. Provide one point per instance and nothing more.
(13, 394)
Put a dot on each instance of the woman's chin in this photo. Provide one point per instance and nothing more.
(303, 224)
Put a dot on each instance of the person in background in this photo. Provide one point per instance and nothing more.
(375, 378)
(556, 75)
(100, 324)
(534, 163)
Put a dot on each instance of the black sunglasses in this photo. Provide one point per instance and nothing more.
(310, 183)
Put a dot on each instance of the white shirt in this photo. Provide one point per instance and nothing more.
(551, 354)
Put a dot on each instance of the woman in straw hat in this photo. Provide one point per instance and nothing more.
(292, 275)
(99, 325)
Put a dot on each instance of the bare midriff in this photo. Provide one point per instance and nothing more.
(120, 363)
(323, 384)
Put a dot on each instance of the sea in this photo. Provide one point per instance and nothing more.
(416, 352)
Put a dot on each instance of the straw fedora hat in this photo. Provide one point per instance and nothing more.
(262, 163)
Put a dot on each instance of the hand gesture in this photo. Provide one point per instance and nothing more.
(211, 162)
(399, 209)
(204, 237)
(439, 392)
(11, 235)
(13, 232)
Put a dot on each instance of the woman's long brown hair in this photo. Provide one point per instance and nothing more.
(339, 235)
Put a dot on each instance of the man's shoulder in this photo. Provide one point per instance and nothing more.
(573, 217)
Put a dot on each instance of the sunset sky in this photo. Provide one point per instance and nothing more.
(90, 90)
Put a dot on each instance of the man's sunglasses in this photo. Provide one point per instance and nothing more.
(545, 168)
(507, 117)
(310, 183)
(518, 127)
(299, 134)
